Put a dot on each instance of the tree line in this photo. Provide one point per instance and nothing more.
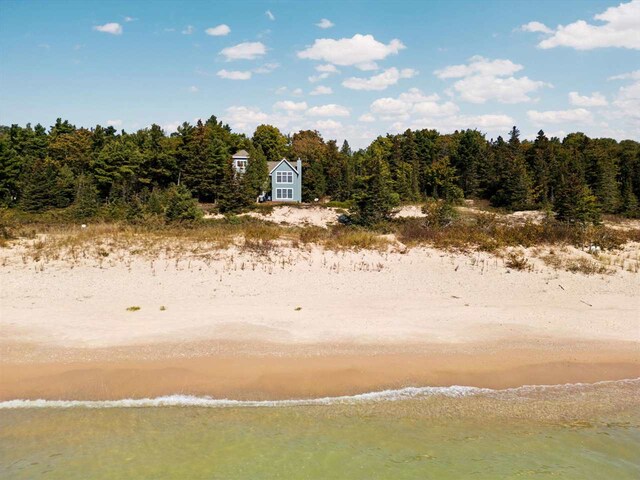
(101, 171)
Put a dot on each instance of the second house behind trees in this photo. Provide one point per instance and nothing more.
(286, 178)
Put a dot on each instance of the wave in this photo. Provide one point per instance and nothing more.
(407, 393)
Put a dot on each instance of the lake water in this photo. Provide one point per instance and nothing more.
(568, 432)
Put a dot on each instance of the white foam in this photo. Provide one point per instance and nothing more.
(455, 391)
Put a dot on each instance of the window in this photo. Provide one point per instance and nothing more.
(284, 193)
(284, 177)
(241, 165)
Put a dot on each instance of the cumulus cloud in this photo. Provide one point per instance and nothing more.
(266, 68)
(242, 117)
(488, 122)
(576, 115)
(317, 78)
(270, 15)
(367, 118)
(326, 68)
(413, 101)
(321, 90)
(325, 23)
(329, 110)
(479, 65)
(328, 125)
(482, 79)
(112, 28)
(296, 92)
(381, 81)
(619, 28)
(244, 51)
(595, 100)
(234, 74)
(219, 31)
(361, 51)
(114, 123)
(535, 27)
(290, 106)
(635, 75)
(188, 30)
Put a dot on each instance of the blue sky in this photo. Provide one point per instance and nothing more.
(350, 69)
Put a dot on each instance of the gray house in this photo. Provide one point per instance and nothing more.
(240, 161)
(286, 181)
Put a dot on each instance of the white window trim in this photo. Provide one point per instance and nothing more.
(286, 174)
(287, 191)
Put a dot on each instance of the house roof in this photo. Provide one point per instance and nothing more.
(241, 154)
(274, 165)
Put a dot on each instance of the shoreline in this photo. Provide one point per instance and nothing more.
(317, 373)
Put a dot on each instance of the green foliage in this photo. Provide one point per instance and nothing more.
(271, 141)
(575, 203)
(181, 205)
(373, 200)
(85, 204)
(62, 168)
(439, 213)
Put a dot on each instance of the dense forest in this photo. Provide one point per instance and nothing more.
(119, 175)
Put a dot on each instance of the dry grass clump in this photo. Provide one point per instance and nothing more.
(517, 261)
(486, 232)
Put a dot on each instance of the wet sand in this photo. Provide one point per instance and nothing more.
(312, 371)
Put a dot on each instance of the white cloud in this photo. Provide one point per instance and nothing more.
(244, 51)
(483, 79)
(234, 74)
(380, 81)
(171, 126)
(635, 75)
(620, 29)
(414, 101)
(492, 122)
(188, 30)
(361, 51)
(367, 118)
(535, 27)
(325, 23)
(219, 31)
(114, 123)
(328, 125)
(193, 89)
(266, 68)
(576, 115)
(129, 19)
(479, 89)
(326, 68)
(270, 15)
(595, 100)
(112, 28)
(479, 65)
(317, 78)
(296, 92)
(290, 106)
(390, 107)
(321, 90)
(329, 110)
(242, 118)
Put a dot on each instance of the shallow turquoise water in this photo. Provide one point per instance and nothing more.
(590, 432)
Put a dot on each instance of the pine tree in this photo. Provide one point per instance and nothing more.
(181, 205)
(85, 204)
(575, 203)
(9, 172)
(38, 186)
(254, 180)
(231, 197)
(373, 200)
